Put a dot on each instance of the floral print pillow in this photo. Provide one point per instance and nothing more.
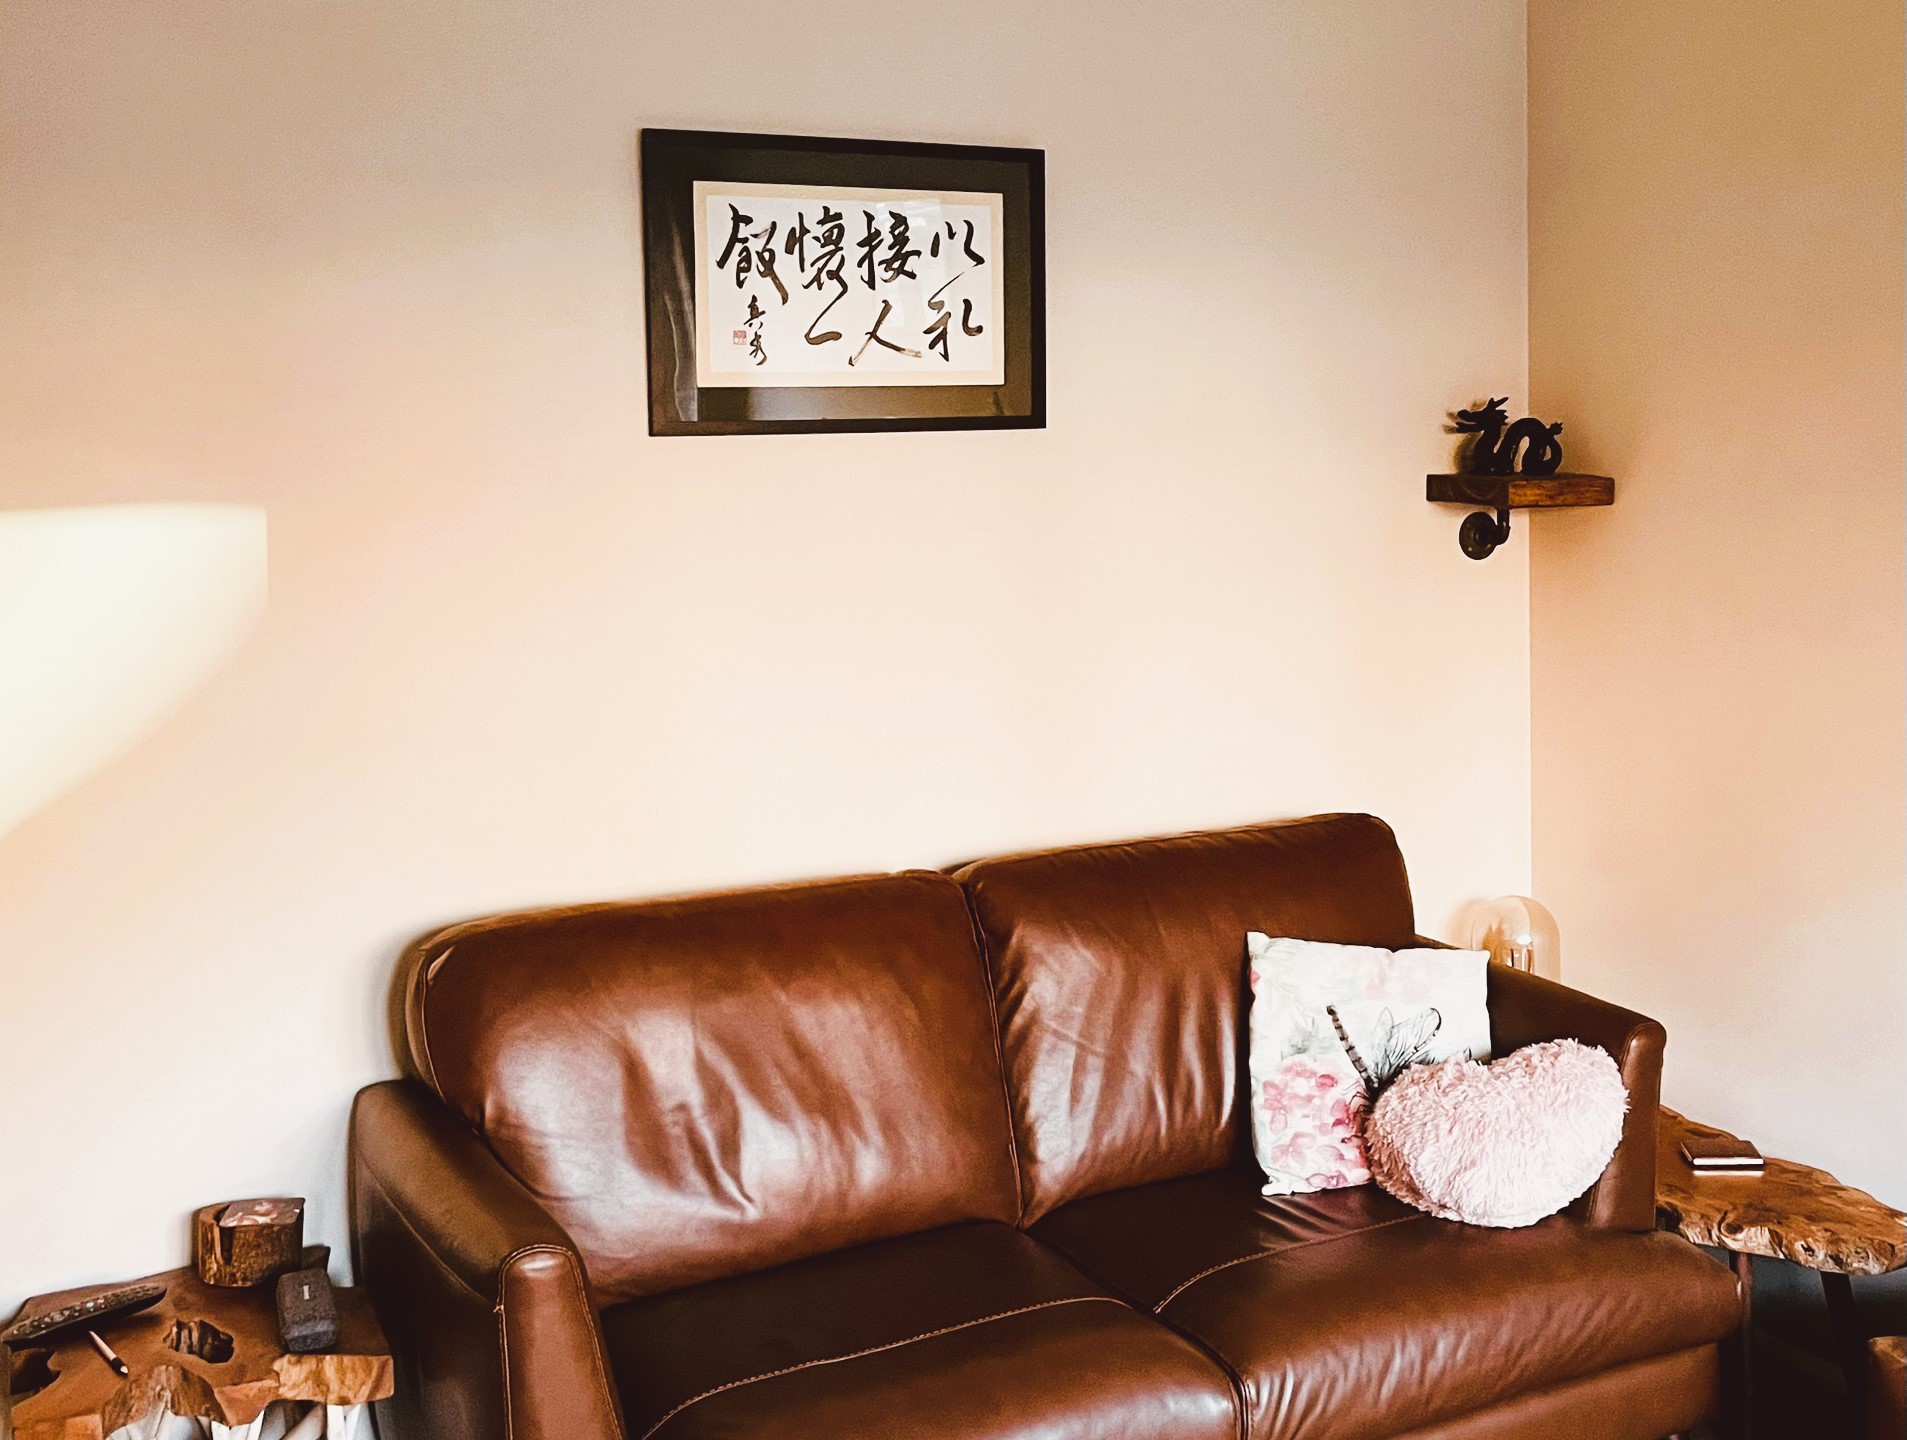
(1333, 1024)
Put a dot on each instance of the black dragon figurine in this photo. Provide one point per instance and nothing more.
(1494, 451)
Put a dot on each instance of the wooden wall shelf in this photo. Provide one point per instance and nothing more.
(1481, 533)
(1520, 492)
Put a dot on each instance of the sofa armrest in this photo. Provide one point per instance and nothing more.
(1525, 1009)
(482, 1296)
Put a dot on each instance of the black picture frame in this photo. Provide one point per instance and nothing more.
(673, 160)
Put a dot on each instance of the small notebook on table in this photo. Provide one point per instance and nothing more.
(1721, 1155)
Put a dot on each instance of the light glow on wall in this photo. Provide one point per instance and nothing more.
(109, 616)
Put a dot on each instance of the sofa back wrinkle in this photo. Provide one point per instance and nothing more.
(1119, 977)
(701, 1087)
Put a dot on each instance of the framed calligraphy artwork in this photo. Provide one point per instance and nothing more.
(805, 284)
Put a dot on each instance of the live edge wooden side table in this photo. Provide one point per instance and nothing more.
(1788, 1212)
(63, 1390)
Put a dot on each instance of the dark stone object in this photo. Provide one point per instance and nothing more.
(307, 1312)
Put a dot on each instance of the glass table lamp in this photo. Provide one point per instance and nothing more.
(1520, 933)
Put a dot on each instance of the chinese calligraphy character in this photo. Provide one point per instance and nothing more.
(967, 243)
(756, 351)
(894, 264)
(874, 337)
(829, 262)
(749, 257)
(937, 328)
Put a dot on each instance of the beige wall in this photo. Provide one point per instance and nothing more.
(1716, 311)
(375, 266)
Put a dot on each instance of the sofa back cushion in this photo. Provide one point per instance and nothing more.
(700, 1087)
(1119, 978)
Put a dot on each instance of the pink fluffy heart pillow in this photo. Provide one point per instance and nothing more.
(1501, 1144)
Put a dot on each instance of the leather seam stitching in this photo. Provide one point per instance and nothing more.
(1234, 1375)
(985, 946)
(1241, 1403)
(573, 1268)
(1280, 1250)
(875, 1350)
(595, 1340)
(426, 972)
(503, 1348)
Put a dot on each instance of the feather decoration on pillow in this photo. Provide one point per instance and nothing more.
(1399, 1046)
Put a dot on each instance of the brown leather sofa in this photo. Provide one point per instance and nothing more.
(963, 1156)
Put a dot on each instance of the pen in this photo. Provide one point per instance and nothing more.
(120, 1368)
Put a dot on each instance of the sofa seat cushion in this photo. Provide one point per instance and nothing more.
(1347, 1315)
(970, 1332)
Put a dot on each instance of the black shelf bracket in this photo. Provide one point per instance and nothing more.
(1480, 534)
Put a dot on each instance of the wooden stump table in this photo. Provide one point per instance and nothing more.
(1788, 1212)
(62, 1390)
